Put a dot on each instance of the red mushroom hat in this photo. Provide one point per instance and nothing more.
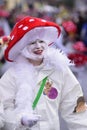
(28, 30)
(78, 59)
(4, 13)
(69, 26)
(79, 46)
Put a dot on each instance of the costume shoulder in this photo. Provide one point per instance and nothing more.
(8, 73)
(58, 58)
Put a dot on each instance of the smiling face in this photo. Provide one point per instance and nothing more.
(37, 49)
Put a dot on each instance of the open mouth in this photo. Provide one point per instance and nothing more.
(38, 52)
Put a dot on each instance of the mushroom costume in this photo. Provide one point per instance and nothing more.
(27, 31)
(70, 27)
(51, 82)
(24, 32)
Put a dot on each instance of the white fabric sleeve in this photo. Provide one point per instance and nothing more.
(1, 115)
(71, 92)
(6, 95)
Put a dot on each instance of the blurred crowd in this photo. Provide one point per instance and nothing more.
(72, 41)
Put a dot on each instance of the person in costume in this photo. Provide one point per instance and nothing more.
(4, 30)
(39, 84)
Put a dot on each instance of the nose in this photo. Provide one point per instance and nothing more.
(38, 44)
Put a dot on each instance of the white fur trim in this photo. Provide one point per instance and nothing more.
(57, 58)
(26, 81)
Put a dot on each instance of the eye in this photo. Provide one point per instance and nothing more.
(32, 43)
(41, 41)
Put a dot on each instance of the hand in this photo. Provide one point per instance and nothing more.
(30, 120)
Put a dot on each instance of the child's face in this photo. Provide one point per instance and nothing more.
(37, 49)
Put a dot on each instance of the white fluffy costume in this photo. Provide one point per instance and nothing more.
(53, 58)
(20, 84)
